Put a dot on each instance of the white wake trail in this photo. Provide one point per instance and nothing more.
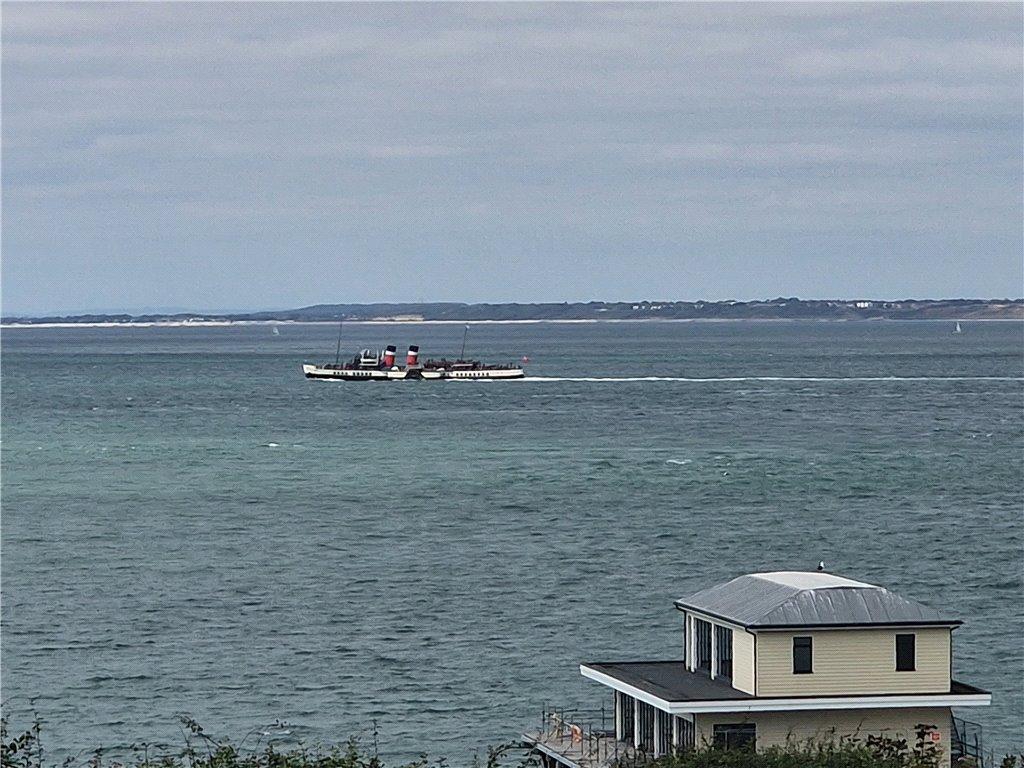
(827, 379)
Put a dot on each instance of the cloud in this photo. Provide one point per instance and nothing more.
(415, 129)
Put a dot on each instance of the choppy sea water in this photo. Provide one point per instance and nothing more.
(191, 526)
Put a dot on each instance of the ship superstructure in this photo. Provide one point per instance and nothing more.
(381, 365)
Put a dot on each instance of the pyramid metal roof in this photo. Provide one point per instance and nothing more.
(793, 599)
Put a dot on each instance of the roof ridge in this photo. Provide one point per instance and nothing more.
(805, 598)
(785, 600)
(846, 581)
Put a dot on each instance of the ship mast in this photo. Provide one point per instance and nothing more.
(462, 354)
(337, 352)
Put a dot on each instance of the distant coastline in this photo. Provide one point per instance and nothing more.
(245, 323)
(639, 311)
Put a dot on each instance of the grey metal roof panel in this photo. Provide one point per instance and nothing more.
(846, 605)
(794, 599)
(743, 600)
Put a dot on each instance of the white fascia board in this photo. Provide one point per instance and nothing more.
(835, 702)
(625, 688)
(900, 701)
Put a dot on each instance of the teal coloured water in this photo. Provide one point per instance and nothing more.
(191, 526)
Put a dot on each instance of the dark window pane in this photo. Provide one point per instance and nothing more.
(723, 649)
(627, 702)
(905, 653)
(663, 738)
(703, 632)
(803, 663)
(686, 734)
(735, 736)
(647, 713)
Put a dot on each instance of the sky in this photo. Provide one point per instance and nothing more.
(271, 155)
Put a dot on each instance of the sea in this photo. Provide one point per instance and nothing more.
(191, 528)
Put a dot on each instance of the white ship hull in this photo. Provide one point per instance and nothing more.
(397, 374)
(492, 373)
(351, 374)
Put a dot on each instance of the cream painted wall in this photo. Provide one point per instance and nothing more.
(743, 661)
(852, 661)
(776, 728)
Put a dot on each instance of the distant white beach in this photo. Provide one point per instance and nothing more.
(224, 323)
(553, 321)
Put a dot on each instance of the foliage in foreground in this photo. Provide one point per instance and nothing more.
(870, 751)
(200, 750)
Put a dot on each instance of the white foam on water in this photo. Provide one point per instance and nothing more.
(716, 379)
(273, 445)
(680, 462)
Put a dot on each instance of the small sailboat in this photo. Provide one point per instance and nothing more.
(958, 329)
(275, 331)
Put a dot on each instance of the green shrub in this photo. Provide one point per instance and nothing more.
(201, 750)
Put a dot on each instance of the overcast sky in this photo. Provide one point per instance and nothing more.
(264, 155)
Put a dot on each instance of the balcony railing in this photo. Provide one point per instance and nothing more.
(968, 748)
(584, 738)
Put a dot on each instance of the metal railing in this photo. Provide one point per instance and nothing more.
(968, 747)
(584, 737)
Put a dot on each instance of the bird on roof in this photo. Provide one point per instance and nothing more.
(821, 565)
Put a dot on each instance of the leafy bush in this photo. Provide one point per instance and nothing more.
(845, 752)
(200, 750)
(871, 751)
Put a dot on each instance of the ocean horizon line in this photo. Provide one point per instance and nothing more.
(537, 321)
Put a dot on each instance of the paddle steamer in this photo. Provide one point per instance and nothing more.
(374, 365)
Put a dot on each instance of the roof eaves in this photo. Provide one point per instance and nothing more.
(684, 606)
(857, 624)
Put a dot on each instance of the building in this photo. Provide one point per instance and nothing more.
(773, 657)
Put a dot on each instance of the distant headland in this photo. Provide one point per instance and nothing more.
(771, 309)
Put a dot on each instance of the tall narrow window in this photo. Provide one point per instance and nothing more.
(723, 649)
(803, 661)
(663, 734)
(686, 645)
(906, 655)
(627, 704)
(646, 734)
(684, 734)
(703, 632)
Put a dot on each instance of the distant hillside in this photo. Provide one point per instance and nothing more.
(773, 309)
